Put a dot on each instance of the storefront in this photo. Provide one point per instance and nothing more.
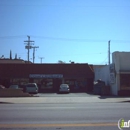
(117, 74)
(49, 76)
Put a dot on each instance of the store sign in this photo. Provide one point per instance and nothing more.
(45, 76)
(112, 78)
(112, 68)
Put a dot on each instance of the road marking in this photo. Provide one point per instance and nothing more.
(55, 125)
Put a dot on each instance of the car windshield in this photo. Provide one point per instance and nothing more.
(64, 86)
(31, 85)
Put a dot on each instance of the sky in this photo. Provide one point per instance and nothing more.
(67, 30)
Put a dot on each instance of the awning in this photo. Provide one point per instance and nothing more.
(124, 72)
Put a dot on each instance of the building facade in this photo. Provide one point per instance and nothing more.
(49, 76)
(117, 74)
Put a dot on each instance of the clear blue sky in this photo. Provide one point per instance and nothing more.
(76, 30)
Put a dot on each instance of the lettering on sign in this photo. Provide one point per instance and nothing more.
(112, 78)
(45, 76)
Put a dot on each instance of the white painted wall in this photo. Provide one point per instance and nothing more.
(103, 74)
(122, 63)
(115, 86)
(121, 60)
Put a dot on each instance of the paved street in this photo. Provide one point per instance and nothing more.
(63, 116)
(63, 111)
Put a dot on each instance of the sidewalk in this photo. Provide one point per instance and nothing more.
(95, 99)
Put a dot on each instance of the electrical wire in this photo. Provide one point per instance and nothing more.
(79, 40)
(12, 37)
(65, 39)
(61, 5)
(104, 61)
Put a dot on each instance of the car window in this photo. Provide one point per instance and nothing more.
(31, 85)
(14, 86)
(64, 86)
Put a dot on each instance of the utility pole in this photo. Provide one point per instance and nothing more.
(109, 52)
(41, 59)
(34, 47)
(28, 45)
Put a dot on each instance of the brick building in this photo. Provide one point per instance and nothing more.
(49, 76)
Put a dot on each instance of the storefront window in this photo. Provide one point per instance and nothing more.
(19, 81)
(125, 81)
(77, 84)
(44, 83)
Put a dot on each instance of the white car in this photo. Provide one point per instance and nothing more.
(64, 88)
(32, 88)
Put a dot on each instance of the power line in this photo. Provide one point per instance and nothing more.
(104, 60)
(59, 5)
(12, 37)
(100, 53)
(78, 40)
(66, 39)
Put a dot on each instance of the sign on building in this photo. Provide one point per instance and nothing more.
(46, 76)
(112, 68)
(112, 78)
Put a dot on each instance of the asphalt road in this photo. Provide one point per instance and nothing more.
(63, 116)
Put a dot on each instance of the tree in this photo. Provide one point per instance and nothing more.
(2, 57)
(10, 55)
(15, 56)
(61, 62)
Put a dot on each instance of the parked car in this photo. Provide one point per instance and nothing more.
(2, 87)
(32, 88)
(14, 86)
(64, 88)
